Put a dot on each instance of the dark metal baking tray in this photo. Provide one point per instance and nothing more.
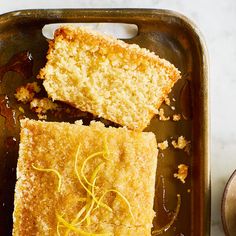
(173, 37)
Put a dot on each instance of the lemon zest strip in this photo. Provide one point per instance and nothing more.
(90, 208)
(58, 226)
(84, 163)
(87, 190)
(79, 214)
(87, 210)
(77, 230)
(121, 195)
(82, 199)
(93, 177)
(50, 170)
(105, 156)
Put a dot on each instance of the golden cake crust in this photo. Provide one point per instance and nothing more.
(128, 167)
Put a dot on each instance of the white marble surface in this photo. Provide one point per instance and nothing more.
(217, 21)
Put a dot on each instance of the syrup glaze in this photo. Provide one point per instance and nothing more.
(7, 112)
(21, 63)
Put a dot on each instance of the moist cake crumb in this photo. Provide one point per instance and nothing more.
(176, 117)
(27, 92)
(162, 117)
(181, 143)
(42, 105)
(182, 173)
(163, 145)
(167, 101)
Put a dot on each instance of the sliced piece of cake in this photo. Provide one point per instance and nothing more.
(84, 180)
(107, 77)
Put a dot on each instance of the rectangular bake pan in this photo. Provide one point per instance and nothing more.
(173, 37)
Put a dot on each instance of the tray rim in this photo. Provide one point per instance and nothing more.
(49, 13)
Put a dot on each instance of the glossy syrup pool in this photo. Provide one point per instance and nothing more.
(20, 65)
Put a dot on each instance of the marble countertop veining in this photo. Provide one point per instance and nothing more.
(216, 19)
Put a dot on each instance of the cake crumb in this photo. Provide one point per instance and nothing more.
(42, 116)
(41, 106)
(173, 99)
(167, 101)
(172, 108)
(162, 116)
(189, 190)
(181, 143)
(163, 145)
(27, 92)
(182, 173)
(176, 117)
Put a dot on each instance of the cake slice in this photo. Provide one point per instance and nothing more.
(107, 77)
(84, 180)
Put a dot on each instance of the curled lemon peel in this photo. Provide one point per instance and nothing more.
(82, 199)
(53, 171)
(88, 212)
(95, 173)
(105, 154)
(58, 226)
(91, 198)
(167, 226)
(90, 208)
(121, 195)
(93, 178)
(77, 230)
(79, 214)
(85, 162)
(81, 182)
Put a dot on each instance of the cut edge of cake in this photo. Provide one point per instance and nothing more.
(132, 120)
